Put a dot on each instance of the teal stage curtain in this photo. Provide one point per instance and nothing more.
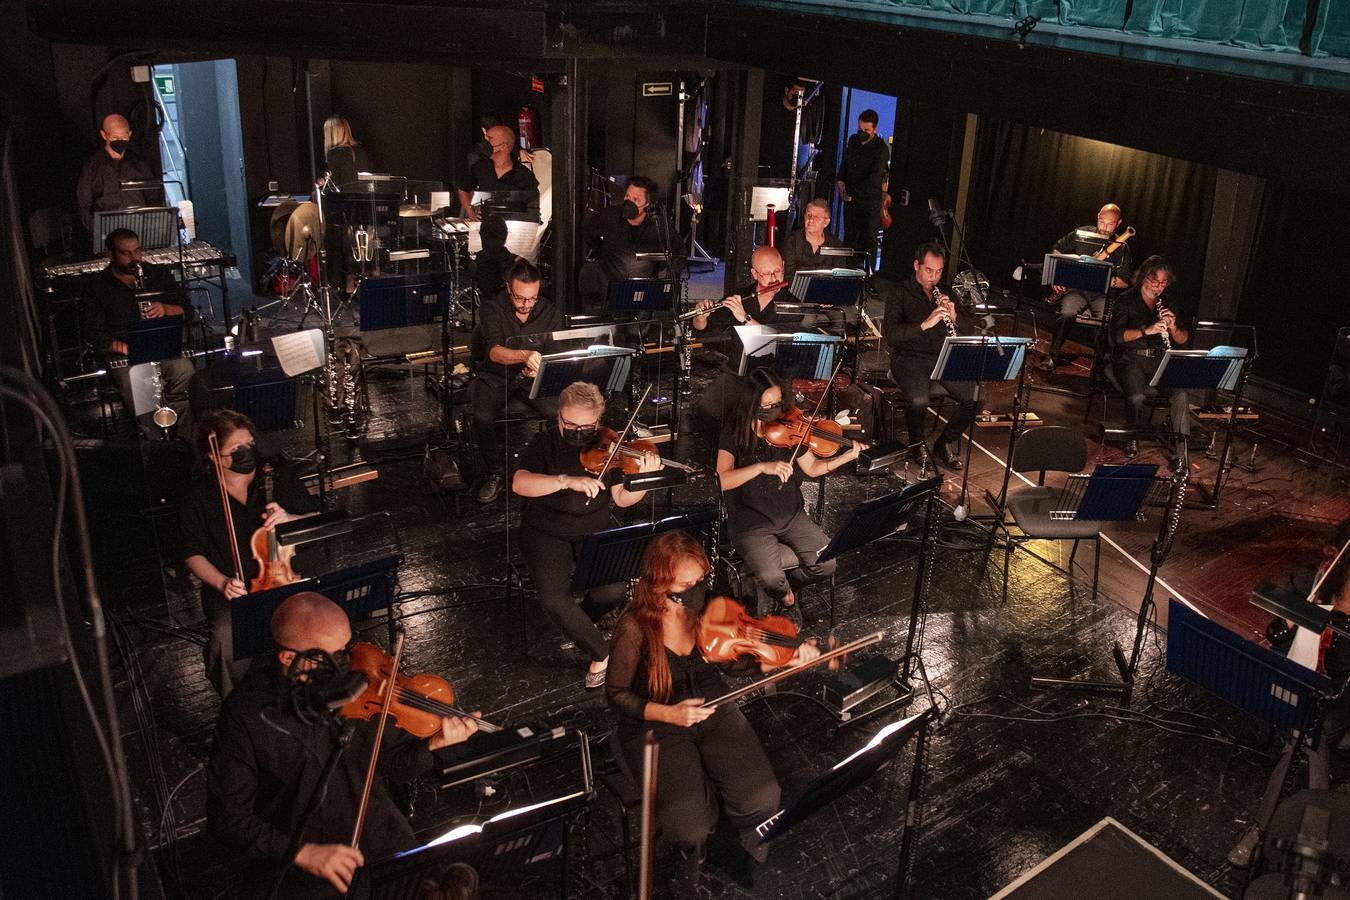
(1331, 29)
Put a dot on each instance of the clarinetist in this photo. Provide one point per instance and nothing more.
(1143, 328)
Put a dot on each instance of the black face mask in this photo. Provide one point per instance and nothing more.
(580, 437)
(483, 149)
(864, 136)
(630, 209)
(693, 598)
(119, 146)
(769, 413)
(244, 460)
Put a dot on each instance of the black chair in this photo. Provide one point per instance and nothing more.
(626, 789)
(1048, 448)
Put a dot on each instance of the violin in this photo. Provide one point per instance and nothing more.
(419, 701)
(274, 560)
(822, 436)
(886, 220)
(727, 632)
(627, 458)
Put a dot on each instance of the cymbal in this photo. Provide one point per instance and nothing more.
(277, 225)
(413, 211)
(302, 232)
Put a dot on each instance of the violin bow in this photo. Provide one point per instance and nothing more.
(801, 441)
(379, 736)
(623, 436)
(788, 672)
(225, 503)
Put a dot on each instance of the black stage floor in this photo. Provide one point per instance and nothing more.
(1014, 775)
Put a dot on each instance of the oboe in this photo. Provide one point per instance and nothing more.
(938, 297)
(1166, 336)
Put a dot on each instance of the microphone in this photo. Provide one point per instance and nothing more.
(316, 697)
(937, 216)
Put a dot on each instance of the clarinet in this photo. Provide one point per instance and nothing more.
(1166, 336)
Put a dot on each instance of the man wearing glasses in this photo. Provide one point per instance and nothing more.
(1142, 330)
(801, 249)
(503, 324)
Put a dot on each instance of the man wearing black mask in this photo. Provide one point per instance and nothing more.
(266, 794)
(206, 539)
(100, 184)
(504, 361)
(862, 181)
(563, 504)
(501, 172)
(621, 232)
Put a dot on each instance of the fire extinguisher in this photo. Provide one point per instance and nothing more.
(527, 124)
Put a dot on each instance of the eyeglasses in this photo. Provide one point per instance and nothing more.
(775, 274)
(1157, 281)
(564, 420)
(523, 300)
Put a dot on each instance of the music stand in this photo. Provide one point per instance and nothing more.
(829, 287)
(793, 354)
(154, 340)
(360, 591)
(603, 366)
(615, 555)
(156, 226)
(856, 769)
(398, 301)
(268, 397)
(1077, 273)
(641, 296)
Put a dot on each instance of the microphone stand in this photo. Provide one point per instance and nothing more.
(344, 737)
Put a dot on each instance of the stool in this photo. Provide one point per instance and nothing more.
(625, 788)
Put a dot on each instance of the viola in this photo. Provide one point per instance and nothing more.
(727, 632)
(822, 436)
(419, 701)
(274, 560)
(627, 458)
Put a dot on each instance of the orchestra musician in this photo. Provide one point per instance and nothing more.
(862, 181)
(518, 309)
(1142, 329)
(766, 513)
(1073, 302)
(919, 317)
(265, 776)
(563, 504)
(110, 307)
(344, 156)
(99, 187)
(501, 171)
(658, 680)
(801, 249)
(206, 539)
(621, 232)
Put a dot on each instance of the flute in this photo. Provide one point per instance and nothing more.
(771, 289)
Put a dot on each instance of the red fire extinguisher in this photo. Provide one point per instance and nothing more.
(527, 124)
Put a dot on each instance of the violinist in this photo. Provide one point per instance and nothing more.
(658, 679)
(919, 317)
(268, 757)
(564, 503)
(766, 513)
(206, 540)
(517, 310)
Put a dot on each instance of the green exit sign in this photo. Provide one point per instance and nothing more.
(164, 84)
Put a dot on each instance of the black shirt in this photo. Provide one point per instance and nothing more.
(619, 242)
(345, 162)
(100, 185)
(563, 514)
(498, 326)
(1130, 311)
(760, 502)
(266, 763)
(765, 312)
(1072, 244)
(111, 306)
(483, 177)
(798, 255)
(863, 169)
(202, 522)
(906, 308)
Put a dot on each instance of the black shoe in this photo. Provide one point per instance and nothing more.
(1131, 449)
(948, 454)
(490, 489)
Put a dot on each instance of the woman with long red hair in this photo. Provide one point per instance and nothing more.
(657, 679)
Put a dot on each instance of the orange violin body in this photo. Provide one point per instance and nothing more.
(628, 459)
(274, 560)
(727, 632)
(821, 436)
(420, 701)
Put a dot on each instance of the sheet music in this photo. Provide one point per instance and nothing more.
(300, 351)
(520, 236)
(440, 199)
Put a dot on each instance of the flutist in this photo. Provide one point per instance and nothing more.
(1143, 328)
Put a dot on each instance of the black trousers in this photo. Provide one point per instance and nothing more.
(1070, 305)
(222, 669)
(1133, 374)
(862, 221)
(769, 552)
(719, 757)
(911, 375)
(551, 562)
(491, 398)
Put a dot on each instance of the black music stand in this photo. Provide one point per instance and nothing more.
(1077, 273)
(154, 340)
(615, 555)
(1118, 494)
(156, 226)
(603, 366)
(795, 354)
(831, 288)
(360, 591)
(857, 769)
(268, 397)
(400, 301)
(638, 297)
(1221, 369)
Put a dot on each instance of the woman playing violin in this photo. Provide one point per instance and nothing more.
(766, 514)
(658, 679)
(206, 539)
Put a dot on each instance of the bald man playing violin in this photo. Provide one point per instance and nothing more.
(265, 793)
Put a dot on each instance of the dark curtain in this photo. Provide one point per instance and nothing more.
(1031, 186)
(1296, 287)
(1331, 30)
